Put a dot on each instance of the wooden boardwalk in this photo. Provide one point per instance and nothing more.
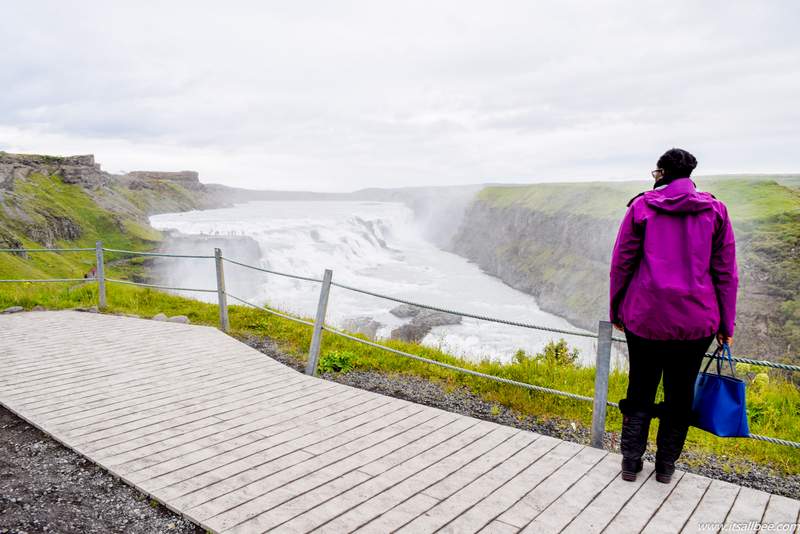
(239, 443)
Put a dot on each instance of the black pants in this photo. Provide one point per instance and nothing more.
(678, 360)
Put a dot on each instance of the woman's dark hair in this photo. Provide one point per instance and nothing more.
(677, 163)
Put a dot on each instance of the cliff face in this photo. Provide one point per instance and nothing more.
(45, 200)
(72, 169)
(561, 258)
(539, 241)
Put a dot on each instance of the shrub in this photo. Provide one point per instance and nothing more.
(337, 362)
(558, 353)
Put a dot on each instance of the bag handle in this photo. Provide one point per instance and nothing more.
(721, 352)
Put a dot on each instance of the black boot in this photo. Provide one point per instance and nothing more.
(671, 437)
(633, 439)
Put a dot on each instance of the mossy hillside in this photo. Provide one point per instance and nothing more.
(774, 402)
(42, 205)
(747, 198)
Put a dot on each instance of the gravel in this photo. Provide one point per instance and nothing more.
(462, 401)
(45, 487)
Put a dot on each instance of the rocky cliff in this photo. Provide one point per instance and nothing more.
(45, 200)
(554, 241)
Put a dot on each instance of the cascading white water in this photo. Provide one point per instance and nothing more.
(376, 246)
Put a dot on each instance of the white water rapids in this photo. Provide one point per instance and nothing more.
(375, 246)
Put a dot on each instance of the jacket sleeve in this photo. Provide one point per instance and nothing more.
(624, 260)
(724, 273)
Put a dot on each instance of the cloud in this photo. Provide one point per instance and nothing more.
(343, 95)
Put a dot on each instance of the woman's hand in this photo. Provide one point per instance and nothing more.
(722, 339)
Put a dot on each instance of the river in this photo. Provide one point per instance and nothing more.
(377, 246)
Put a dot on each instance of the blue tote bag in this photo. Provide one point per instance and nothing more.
(719, 401)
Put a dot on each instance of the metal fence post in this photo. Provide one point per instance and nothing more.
(100, 275)
(602, 368)
(222, 297)
(319, 321)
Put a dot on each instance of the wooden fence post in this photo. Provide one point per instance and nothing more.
(602, 369)
(222, 297)
(319, 321)
(100, 275)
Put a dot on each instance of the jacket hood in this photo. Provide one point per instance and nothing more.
(679, 196)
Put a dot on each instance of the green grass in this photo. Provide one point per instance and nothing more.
(774, 406)
(39, 200)
(747, 198)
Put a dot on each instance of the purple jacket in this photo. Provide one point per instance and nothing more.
(673, 269)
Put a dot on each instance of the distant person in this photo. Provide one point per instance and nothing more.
(673, 290)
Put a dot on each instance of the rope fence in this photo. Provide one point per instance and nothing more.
(465, 314)
(155, 286)
(45, 280)
(273, 312)
(295, 276)
(47, 250)
(157, 254)
(500, 379)
(604, 335)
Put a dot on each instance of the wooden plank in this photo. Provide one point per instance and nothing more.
(188, 395)
(313, 410)
(602, 509)
(561, 511)
(437, 463)
(209, 480)
(306, 493)
(150, 377)
(461, 491)
(391, 470)
(112, 400)
(283, 429)
(46, 394)
(713, 507)
(251, 490)
(644, 503)
(404, 514)
(532, 504)
(556, 452)
(137, 439)
(674, 513)
(494, 463)
(749, 507)
(781, 510)
(498, 527)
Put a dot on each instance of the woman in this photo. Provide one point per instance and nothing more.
(673, 289)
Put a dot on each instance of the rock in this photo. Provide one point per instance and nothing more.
(14, 309)
(179, 319)
(404, 311)
(159, 317)
(422, 323)
(38, 308)
(410, 332)
(91, 309)
(362, 325)
(436, 318)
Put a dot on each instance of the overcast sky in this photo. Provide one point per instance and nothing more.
(340, 95)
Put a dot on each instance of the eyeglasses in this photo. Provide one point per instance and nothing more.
(658, 173)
